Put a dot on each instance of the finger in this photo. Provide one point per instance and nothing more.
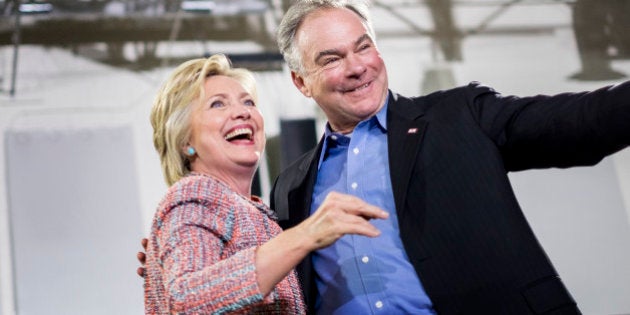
(330, 233)
(369, 231)
(349, 223)
(144, 243)
(359, 226)
(142, 258)
(366, 210)
(354, 205)
(140, 271)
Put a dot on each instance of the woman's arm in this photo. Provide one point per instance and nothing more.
(338, 215)
(197, 276)
(198, 280)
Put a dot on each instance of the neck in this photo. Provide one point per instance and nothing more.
(241, 186)
(343, 131)
(347, 126)
(240, 181)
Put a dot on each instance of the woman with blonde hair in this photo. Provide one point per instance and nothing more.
(215, 248)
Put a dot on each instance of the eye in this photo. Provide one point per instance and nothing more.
(364, 46)
(216, 104)
(249, 103)
(329, 60)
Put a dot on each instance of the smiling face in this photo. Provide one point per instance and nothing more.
(227, 131)
(343, 70)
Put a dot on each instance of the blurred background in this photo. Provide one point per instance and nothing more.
(81, 179)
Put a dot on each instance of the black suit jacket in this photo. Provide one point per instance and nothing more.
(460, 223)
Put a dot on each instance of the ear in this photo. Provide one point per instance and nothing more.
(298, 81)
(189, 150)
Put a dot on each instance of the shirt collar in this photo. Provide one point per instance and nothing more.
(381, 116)
(329, 135)
(381, 119)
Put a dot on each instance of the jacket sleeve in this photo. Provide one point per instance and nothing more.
(197, 278)
(275, 203)
(564, 130)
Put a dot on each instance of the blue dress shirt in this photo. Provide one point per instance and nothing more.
(358, 274)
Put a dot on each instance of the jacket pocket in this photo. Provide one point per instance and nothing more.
(547, 294)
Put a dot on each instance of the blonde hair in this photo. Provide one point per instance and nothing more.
(170, 115)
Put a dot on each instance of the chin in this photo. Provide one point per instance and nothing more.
(252, 162)
(370, 107)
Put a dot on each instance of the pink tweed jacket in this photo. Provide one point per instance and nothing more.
(200, 256)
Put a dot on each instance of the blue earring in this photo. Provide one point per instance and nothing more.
(191, 151)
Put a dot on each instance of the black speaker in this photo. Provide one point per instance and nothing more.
(297, 136)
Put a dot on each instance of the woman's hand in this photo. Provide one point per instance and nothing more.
(142, 258)
(338, 215)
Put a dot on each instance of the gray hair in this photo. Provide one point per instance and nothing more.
(293, 18)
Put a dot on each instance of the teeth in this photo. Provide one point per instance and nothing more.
(360, 87)
(238, 132)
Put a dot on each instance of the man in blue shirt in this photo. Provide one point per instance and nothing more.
(456, 241)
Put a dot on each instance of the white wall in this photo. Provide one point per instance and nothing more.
(580, 215)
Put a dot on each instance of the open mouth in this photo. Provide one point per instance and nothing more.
(240, 134)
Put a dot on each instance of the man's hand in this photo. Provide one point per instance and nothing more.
(142, 258)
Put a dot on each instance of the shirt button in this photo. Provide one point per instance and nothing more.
(365, 259)
(354, 185)
(356, 150)
(378, 304)
(334, 137)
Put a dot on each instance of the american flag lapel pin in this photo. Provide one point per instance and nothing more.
(412, 130)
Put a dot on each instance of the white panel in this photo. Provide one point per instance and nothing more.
(76, 221)
(579, 217)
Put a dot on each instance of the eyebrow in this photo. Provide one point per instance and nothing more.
(224, 95)
(333, 51)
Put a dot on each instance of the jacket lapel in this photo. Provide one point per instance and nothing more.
(300, 192)
(405, 132)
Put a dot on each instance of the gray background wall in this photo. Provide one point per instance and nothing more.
(81, 179)
(73, 197)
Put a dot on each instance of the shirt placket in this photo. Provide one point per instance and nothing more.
(362, 245)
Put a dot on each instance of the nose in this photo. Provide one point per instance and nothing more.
(242, 112)
(355, 66)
